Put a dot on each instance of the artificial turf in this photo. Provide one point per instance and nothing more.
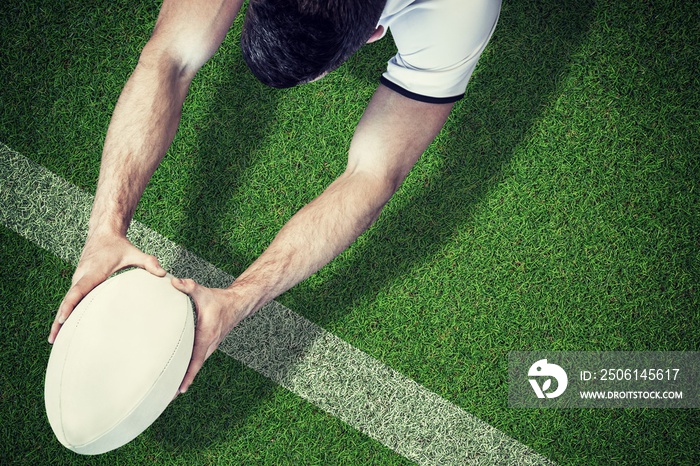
(557, 210)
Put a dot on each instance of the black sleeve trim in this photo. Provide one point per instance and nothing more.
(421, 98)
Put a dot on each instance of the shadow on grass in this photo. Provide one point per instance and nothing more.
(516, 79)
(205, 414)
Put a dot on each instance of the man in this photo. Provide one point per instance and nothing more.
(285, 42)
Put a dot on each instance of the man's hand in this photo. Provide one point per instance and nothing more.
(217, 314)
(101, 257)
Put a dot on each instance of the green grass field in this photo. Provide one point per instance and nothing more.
(559, 209)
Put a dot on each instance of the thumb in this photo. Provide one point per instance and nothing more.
(187, 286)
(152, 265)
(145, 261)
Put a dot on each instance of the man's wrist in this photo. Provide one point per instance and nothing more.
(103, 231)
(104, 225)
(246, 297)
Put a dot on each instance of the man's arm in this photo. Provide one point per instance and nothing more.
(143, 125)
(392, 134)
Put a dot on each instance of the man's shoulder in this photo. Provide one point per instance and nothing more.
(438, 42)
(427, 7)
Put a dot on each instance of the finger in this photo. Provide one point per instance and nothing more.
(191, 373)
(75, 294)
(203, 342)
(55, 327)
(136, 258)
(151, 264)
(200, 354)
(187, 286)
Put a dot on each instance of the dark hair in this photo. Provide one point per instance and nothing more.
(289, 42)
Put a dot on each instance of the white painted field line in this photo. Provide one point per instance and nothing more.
(289, 349)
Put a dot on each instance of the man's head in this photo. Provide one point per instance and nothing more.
(290, 42)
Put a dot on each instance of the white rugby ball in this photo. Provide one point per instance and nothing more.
(118, 361)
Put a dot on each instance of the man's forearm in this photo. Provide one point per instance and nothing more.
(143, 125)
(392, 134)
(313, 237)
(147, 114)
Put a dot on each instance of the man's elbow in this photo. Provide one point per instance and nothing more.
(173, 58)
(377, 189)
(158, 61)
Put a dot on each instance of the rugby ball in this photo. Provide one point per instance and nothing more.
(118, 361)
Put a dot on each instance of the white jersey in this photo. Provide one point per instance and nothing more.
(439, 43)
